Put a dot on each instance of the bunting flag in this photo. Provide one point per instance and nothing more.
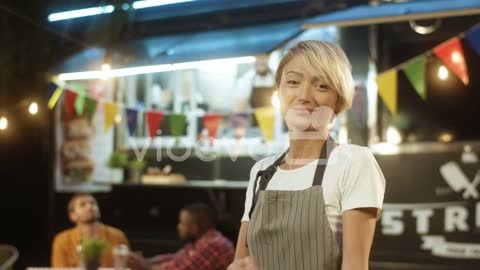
(177, 124)
(90, 107)
(212, 121)
(111, 111)
(81, 91)
(266, 120)
(132, 118)
(415, 71)
(54, 93)
(387, 88)
(77, 87)
(70, 98)
(80, 104)
(154, 120)
(451, 53)
(473, 37)
(239, 124)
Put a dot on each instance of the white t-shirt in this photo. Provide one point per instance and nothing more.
(243, 88)
(352, 179)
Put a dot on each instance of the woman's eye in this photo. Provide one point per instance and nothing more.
(292, 82)
(322, 87)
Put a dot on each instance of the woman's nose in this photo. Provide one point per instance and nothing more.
(305, 92)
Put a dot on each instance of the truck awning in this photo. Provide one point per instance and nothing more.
(395, 12)
(224, 43)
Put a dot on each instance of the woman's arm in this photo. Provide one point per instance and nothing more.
(242, 249)
(358, 231)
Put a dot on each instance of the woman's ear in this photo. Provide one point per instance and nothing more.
(338, 105)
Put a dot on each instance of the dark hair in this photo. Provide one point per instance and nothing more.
(202, 214)
(71, 202)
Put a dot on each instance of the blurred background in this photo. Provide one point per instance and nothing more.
(151, 105)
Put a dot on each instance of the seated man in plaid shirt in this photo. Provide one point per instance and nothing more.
(207, 249)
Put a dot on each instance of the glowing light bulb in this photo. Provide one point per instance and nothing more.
(442, 73)
(105, 71)
(456, 57)
(445, 137)
(33, 108)
(118, 118)
(393, 135)
(106, 67)
(3, 123)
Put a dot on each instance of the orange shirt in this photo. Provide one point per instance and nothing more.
(64, 248)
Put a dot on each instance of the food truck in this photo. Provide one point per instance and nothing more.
(152, 136)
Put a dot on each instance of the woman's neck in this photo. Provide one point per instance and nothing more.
(302, 152)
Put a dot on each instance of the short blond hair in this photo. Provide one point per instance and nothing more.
(332, 64)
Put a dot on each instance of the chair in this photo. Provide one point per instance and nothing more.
(8, 255)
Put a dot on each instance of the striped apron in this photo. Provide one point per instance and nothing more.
(289, 229)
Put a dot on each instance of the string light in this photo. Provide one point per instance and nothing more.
(118, 118)
(33, 108)
(393, 135)
(3, 123)
(106, 67)
(445, 137)
(106, 71)
(456, 57)
(442, 73)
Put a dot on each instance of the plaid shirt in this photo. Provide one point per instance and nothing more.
(211, 252)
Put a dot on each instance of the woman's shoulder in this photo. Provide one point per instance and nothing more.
(262, 164)
(349, 154)
(352, 149)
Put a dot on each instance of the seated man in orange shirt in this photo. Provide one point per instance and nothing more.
(83, 211)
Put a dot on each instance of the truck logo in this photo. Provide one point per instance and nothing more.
(458, 181)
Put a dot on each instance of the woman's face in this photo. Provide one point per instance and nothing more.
(307, 101)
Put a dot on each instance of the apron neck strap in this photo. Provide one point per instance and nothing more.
(327, 149)
(263, 176)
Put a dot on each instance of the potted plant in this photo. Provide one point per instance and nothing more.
(91, 252)
(117, 162)
(136, 168)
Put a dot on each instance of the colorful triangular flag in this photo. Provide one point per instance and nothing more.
(212, 121)
(54, 93)
(79, 104)
(154, 120)
(266, 121)
(132, 118)
(111, 111)
(387, 88)
(415, 71)
(90, 107)
(177, 123)
(473, 37)
(70, 98)
(451, 53)
(239, 124)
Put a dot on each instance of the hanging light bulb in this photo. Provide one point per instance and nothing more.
(106, 71)
(33, 108)
(393, 135)
(442, 73)
(3, 123)
(118, 118)
(456, 57)
(106, 67)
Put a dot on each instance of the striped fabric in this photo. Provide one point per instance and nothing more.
(289, 230)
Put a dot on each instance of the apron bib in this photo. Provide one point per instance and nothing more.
(289, 229)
